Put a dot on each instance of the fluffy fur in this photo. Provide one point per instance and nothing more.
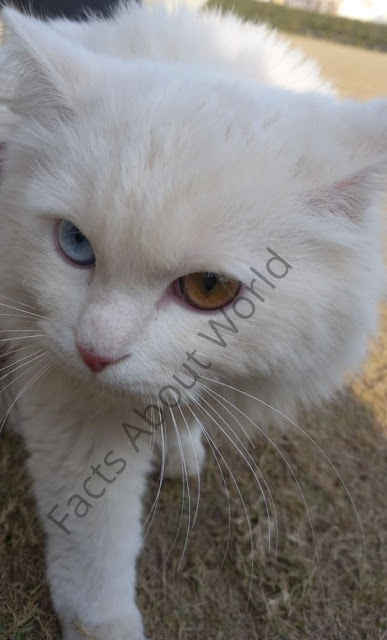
(178, 142)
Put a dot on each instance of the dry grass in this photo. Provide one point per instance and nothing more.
(212, 597)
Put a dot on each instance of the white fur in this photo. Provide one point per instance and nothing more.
(178, 143)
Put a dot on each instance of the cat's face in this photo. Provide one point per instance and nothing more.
(167, 171)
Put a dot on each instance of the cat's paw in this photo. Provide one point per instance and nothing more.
(129, 628)
(194, 456)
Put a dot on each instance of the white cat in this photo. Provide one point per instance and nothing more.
(189, 218)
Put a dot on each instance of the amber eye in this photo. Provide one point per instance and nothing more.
(208, 291)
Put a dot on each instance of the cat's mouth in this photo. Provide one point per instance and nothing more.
(111, 375)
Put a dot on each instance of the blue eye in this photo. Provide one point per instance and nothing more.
(75, 246)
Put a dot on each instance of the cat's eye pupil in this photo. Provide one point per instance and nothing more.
(210, 280)
(207, 291)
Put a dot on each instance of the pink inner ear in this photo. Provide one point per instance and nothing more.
(338, 186)
(349, 183)
(348, 197)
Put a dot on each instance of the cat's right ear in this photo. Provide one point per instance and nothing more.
(43, 75)
(349, 158)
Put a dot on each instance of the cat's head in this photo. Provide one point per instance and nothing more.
(169, 170)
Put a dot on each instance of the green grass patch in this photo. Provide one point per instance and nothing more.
(309, 23)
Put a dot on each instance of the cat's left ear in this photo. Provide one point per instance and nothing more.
(43, 75)
(356, 138)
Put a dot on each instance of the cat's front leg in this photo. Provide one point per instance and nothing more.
(127, 628)
(185, 452)
(89, 485)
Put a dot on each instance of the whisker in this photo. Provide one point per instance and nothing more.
(16, 315)
(160, 481)
(244, 458)
(315, 444)
(242, 502)
(9, 353)
(213, 446)
(15, 330)
(153, 436)
(24, 304)
(214, 394)
(307, 510)
(34, 379)
(17, 378)
(197, 467)
(20, 365)
(39, 335)
(28, 313)
(185, 477)
(177, 533)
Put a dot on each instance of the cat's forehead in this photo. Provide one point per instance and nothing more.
(163, 182)
(147, 205)
(166, 179)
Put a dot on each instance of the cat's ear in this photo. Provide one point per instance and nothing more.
(42, 73)
(357, 173)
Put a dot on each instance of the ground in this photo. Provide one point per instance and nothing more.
(329, 592)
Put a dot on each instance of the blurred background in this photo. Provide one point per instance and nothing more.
(213, 593)
(367, 10)
(319, 27)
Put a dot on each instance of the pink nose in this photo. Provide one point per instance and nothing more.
(96, 362)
